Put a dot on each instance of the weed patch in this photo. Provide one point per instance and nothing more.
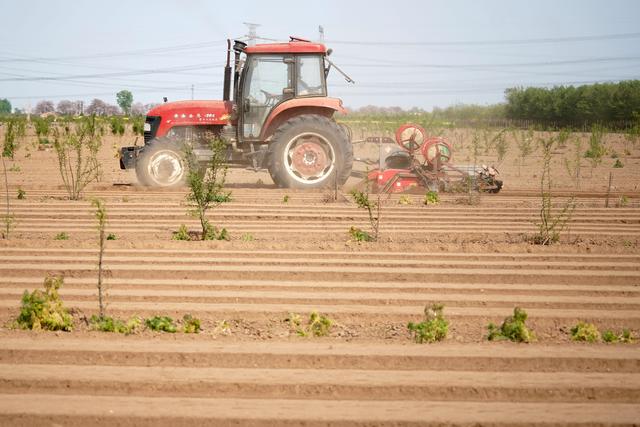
(110, 324)
(45, 310)
(161, 324)
(433, 328)
(359, 235)
(513, 328)
(587, 332)
(182, 233)
(431, 198)
(318, 325)
(190, 324)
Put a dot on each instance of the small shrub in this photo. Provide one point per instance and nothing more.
(161, 324)
(434, 327)
(247, 237)
(623, 201)
(431, 198)
(405, 200)
(612, 337)
(190, 324)
(212, 233)
(285, 198)
(618, 164)
(513, 328)
(61, 236)
(609, 336)
(585, 332)
(317, 326)
(21, 194)
(359, 235)
(223, 327)
(45, 310)
(111, 236)
(110, 324)
(182, 233)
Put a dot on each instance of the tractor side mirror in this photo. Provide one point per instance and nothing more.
(246, 105)
(287, 93)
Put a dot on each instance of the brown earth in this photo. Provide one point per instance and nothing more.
(249, 366)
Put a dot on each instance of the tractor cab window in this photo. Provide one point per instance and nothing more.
(310, 76)
(267, 77)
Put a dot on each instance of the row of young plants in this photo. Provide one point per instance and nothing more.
(44, 310)
(435, 327)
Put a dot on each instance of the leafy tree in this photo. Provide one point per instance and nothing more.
(596, 150)
(206, 187)
(138, 109)
(125, 99)
(43, 107)
(77, 151)
(5, 106)
(98, 107)
(67, 108)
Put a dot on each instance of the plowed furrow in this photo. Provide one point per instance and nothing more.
(79, 410)
(334, 383)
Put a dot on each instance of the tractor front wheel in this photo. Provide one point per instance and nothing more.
(310, 151)
(161, 164)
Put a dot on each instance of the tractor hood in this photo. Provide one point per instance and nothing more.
(193, 112)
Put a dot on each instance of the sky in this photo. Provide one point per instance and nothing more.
(405, 53)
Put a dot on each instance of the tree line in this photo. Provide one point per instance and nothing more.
(611, 104)
(97, 107)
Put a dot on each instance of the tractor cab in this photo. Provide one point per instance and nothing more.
(271, 74)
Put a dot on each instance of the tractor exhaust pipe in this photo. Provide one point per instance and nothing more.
(227, 75)
(238, 48)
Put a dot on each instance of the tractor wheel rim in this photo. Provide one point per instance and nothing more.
(309, 158)
(165, 167)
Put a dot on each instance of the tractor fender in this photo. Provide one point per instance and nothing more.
(322, 106)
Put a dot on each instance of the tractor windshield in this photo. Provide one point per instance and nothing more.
(267, 76)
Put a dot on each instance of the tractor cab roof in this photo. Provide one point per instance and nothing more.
(294, 46)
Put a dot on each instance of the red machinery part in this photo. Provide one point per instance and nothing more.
(400, 181)
(435, 147)
(410, 137)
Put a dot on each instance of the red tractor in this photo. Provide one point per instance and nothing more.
(280, 118)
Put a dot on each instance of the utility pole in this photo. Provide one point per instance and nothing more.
(251, 35)
(321, 33)
(192, 91)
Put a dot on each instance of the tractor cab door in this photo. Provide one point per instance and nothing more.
(268, 81)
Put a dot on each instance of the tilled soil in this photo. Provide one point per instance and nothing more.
(249, 366)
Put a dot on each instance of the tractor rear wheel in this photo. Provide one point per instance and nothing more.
(161, 164)
(308, 151)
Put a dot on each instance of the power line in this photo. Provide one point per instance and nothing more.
(139, 52)
(490, 42)
(114, 74)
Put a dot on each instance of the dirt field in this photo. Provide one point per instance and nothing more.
(248, 367)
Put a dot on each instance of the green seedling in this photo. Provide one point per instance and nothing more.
(359, 235)
(21, 194)
(182, 233)
(190, 324)
(431, 198)
(61, 236)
